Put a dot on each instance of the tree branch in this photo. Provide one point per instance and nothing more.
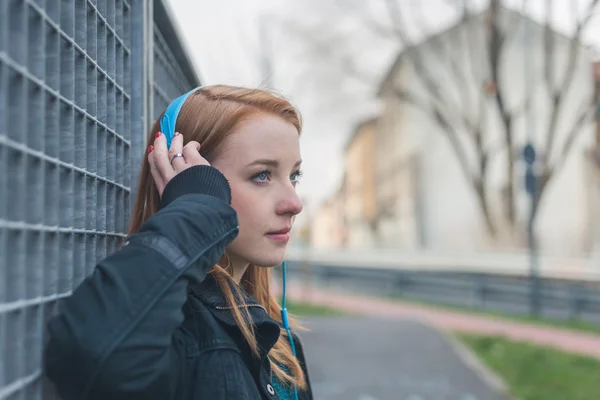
(549, 48)
(558, 94)
(453, 70)
(456, 98)
(586, 114)
(442, 121)
(458, 75)
(476, 179)
(513, 27)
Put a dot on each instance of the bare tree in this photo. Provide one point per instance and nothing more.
(462, 115)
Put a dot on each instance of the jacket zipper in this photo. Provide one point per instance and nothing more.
(270, 368)
(252, 305)
(232, 307)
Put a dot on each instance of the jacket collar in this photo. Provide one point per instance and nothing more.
(267, 330)
(211, 295)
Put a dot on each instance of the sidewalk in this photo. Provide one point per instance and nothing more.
(370, 358)
(567, 340)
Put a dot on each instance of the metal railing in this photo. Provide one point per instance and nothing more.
(561, 299)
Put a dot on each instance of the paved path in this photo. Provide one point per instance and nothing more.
(365, 358)
(562, 339)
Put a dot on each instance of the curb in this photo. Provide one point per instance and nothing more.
(471, 361)
(559, 338)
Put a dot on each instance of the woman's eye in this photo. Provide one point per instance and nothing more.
(265, 177)
(295, 177)
(261, 176)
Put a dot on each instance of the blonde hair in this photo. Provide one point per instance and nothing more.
(208, 116)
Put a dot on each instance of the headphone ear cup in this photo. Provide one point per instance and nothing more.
(165, 128)
(168, 120)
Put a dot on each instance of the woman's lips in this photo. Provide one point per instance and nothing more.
(282, 235)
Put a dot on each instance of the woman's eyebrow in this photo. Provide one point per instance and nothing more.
(270, 163)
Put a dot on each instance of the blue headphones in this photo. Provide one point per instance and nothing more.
(169, 119)
(167, 127)
(284, 318)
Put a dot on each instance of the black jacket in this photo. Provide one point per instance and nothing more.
(150, 323)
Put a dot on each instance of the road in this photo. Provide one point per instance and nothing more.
(363, 358)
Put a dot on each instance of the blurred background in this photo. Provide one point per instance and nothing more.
(449, 247)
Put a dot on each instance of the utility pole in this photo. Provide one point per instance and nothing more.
(531, 182)
(597, 104)
(596, 150)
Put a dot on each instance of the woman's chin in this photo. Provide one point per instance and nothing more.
(268, 263)
(271, 260)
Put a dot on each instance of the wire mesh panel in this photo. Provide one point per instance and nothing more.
(65, 143)
(169, 79)
(73, 118)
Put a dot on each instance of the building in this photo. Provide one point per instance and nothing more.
(360, 205)
(327, 229)
(434, 96)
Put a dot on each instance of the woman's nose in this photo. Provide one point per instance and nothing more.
(290, 204)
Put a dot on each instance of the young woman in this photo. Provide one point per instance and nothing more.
(184, 309)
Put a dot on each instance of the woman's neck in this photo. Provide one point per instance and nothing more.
(238, 267)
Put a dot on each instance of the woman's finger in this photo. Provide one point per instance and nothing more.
(191, 152)
(158, 179)
(177, 162)
(161, 158)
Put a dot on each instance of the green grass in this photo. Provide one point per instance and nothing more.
(538, 373)
(568, 324)
(302, 308)
(306, 309)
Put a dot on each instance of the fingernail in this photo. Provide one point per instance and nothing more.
(150, 149)
(176, 133)
(158, 134)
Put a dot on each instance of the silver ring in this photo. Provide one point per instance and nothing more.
(175, 156)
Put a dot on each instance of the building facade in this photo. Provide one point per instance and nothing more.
(441, 120)
(360, 186)
(457, 62)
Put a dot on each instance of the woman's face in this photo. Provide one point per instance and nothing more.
(261, 161)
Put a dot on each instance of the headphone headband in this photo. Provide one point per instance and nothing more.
(169, 119)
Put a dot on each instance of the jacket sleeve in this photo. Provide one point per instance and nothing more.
(114, 337)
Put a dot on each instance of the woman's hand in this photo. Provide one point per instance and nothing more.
(166, 163)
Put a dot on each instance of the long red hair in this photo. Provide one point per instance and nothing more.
(208, 115)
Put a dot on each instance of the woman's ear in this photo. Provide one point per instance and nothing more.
(209, 155)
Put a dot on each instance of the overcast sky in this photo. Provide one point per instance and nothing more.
(222, 38)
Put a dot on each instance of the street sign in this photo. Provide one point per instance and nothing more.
(529, 153)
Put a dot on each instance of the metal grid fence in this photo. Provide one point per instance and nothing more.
(169, 80)
(69, 120)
